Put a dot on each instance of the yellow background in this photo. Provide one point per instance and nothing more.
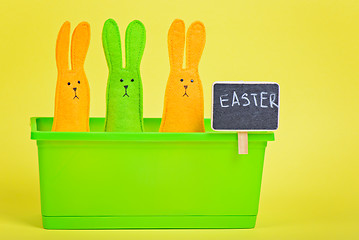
(311, 48)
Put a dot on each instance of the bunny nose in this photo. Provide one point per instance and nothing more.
(126, 86)
(185, 86)
(75, 88)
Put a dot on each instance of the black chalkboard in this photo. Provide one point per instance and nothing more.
(245, 106)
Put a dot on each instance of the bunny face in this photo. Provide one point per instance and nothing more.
(183, 107)
(72, 100)
(74, 89)
(188, 84)
(124, 85)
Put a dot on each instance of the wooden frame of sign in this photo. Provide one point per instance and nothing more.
(245, 106)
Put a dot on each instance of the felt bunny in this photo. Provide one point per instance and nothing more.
(183, 105)
(72, 100)
(124, 86)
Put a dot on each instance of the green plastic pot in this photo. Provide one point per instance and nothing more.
(109, 180)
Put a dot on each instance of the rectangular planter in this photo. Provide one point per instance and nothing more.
(101, 180)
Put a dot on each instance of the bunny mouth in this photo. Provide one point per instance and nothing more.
(185, 91)
(126, 86)
(75, 94)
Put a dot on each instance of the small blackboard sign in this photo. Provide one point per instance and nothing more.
(245, 106)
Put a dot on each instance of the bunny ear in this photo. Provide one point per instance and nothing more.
(62, 47)
(176, 41)
(196, 39)
(135, 43)
(79, 45)
(111, 42)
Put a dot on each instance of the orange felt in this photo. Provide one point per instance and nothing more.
(72, 99)
(183, 105)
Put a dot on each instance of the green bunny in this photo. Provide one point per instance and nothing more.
(124, 100)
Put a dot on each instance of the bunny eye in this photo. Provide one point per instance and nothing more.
(78, 82)
(121, 80)
(68, 83)
(181, 80)
(192, 80)
(132, 80)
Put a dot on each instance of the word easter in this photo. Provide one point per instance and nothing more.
(245, 106)
(263, 100)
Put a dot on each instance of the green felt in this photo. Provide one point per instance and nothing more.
(124, 113)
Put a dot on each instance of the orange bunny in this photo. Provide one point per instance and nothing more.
(183, 106)
(72, 100)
